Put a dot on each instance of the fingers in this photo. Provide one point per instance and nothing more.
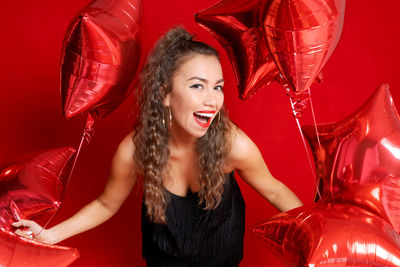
(31, 235)
(26, 234)
(29, 229)
(20, 223)
(26, 231)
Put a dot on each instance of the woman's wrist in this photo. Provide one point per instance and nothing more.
(48, 236)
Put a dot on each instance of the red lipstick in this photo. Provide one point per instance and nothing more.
(200, 119)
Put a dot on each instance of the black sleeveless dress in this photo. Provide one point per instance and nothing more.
(196, 237)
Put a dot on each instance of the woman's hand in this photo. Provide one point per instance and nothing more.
(32, 230)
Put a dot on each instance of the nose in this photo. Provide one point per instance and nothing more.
(210, 98)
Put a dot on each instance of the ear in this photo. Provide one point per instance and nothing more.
(166, 100)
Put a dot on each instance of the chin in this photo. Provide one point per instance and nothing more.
(194, 130)
(200, 133)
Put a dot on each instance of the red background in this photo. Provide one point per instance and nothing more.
(31, 38)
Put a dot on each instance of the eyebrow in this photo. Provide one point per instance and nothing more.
(204, 80)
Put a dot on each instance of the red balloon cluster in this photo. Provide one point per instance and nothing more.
(358, 171)
(99, 62)
(282, 40)
(356, 222)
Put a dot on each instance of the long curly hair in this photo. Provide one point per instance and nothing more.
(151, 140)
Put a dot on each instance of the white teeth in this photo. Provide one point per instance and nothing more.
(208, 115)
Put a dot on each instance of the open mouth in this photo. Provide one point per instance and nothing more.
(202, 118)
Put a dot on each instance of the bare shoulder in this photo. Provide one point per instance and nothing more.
(127, 144)
(125, 150)
(241, 144)
(242, 147)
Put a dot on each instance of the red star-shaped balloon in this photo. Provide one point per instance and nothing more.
(101, 56)
(359, 158)
(33, 187)
(261, 36)
(235, 24)
(301, 36)
(16, 251)
(327, 234)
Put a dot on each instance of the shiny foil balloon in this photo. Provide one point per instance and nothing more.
(100, 57)
(33, 187)
(327, 234)
(301, 35)
(359, 158)
(17, 251)
(236, 25)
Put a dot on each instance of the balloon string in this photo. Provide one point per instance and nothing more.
(318, 140)
(296, 116)
(315, 123)
(85, 139)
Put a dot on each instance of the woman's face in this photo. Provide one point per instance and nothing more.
(196, 95)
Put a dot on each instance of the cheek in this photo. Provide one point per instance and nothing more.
(181, 107)
(177, 101)
(220, 100)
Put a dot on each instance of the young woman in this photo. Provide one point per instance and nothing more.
(186, 150)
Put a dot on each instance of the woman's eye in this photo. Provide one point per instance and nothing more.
(196, 86)
(219, 88)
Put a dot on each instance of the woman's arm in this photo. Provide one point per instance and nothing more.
(120, 183)
(247, 160)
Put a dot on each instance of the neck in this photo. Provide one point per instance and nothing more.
(180, 139)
